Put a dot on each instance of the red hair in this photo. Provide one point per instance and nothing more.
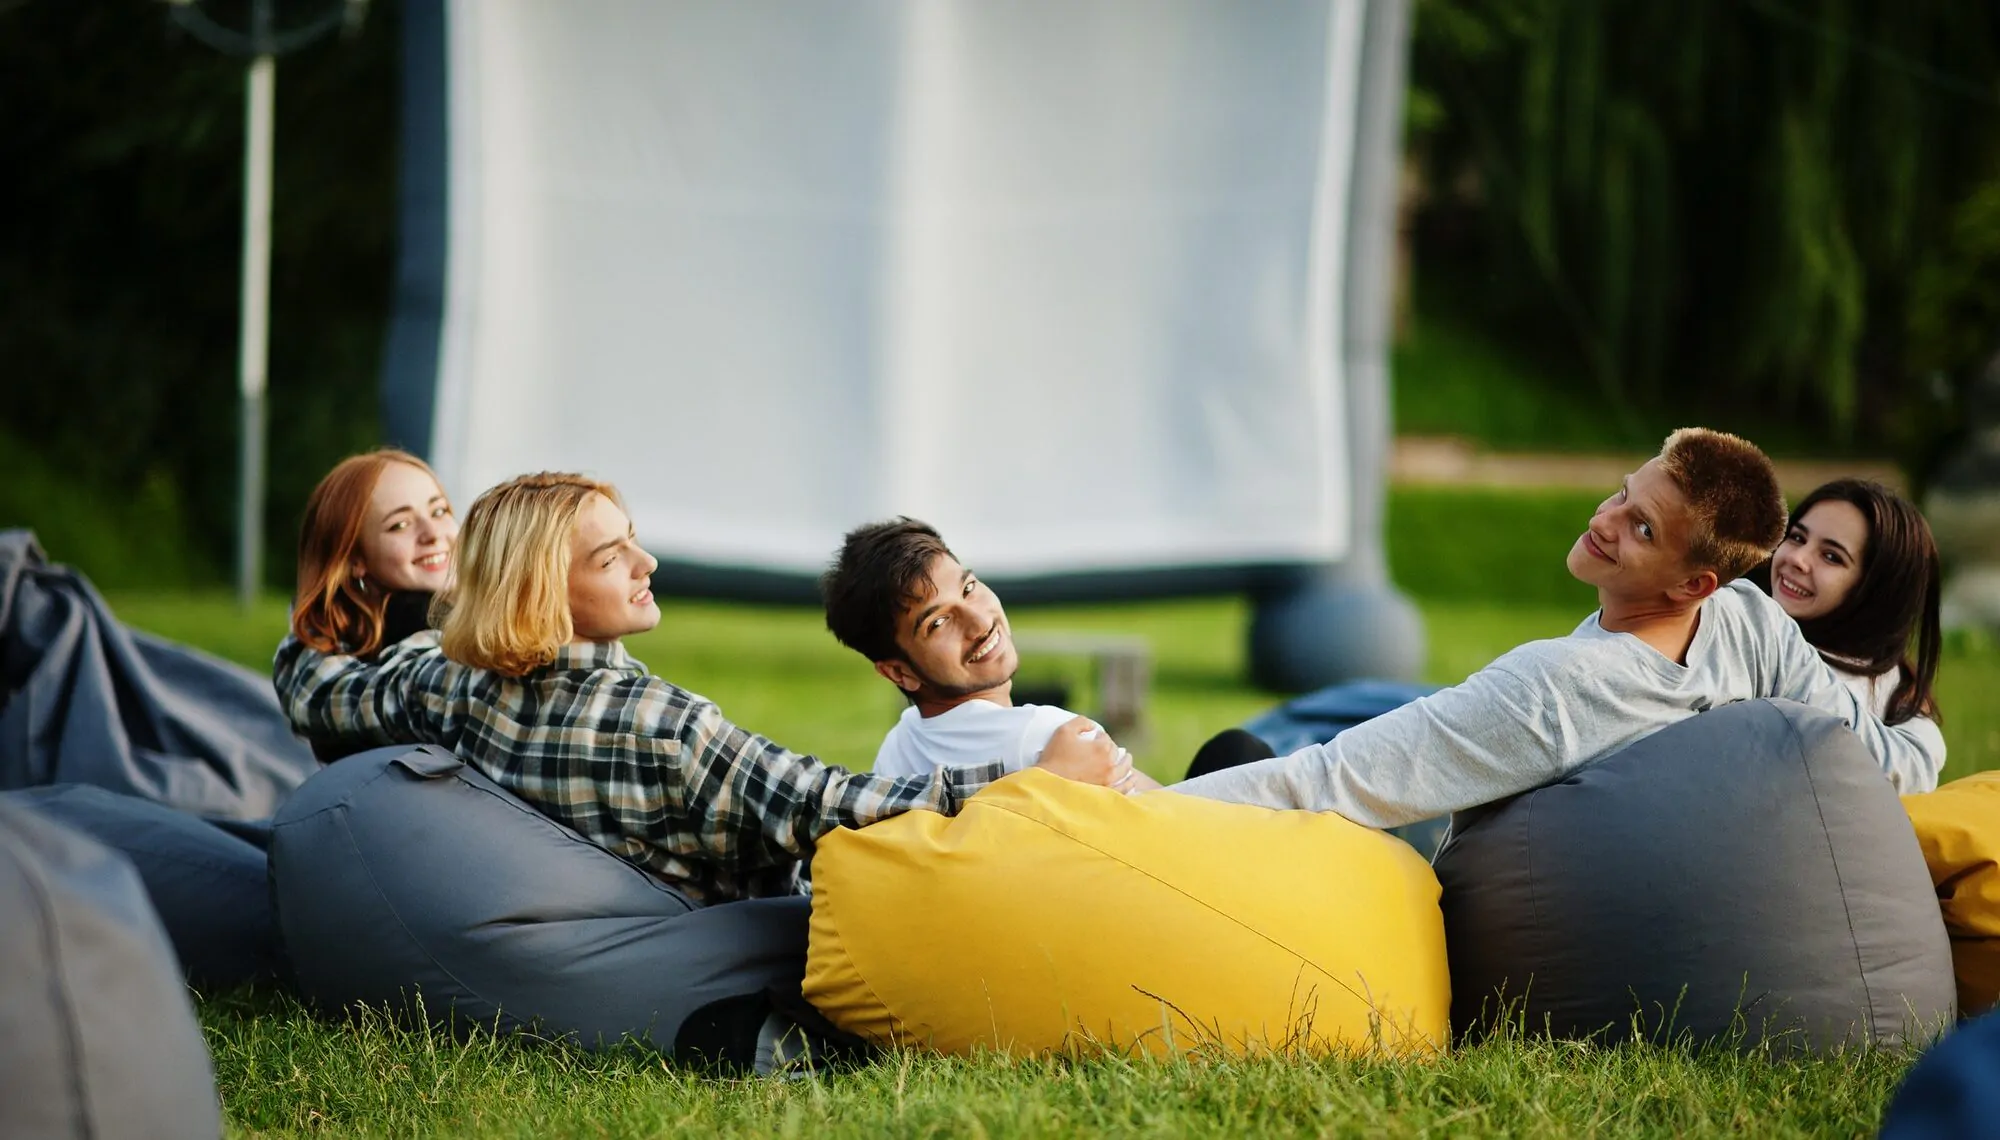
(336, 612)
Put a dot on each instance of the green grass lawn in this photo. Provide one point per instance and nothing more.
(283, 1071)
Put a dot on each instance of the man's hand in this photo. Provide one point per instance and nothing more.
(1083, 752)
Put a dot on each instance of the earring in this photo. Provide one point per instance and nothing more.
(361, 582)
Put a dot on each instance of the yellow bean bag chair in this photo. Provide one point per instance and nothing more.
(1051, 916)
(1958, 826)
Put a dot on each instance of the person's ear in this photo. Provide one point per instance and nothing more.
(1699, 587)
(899, 675)
(357, 569)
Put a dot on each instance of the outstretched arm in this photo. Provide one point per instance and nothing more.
(347, 700)
(1494, 735)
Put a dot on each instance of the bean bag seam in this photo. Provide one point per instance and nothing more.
(1534, 894)
(1210, 907)
(394, 912)
(1833, 858)
(281, 821)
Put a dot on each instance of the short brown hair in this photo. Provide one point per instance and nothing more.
(880, 568)
(1734, 505)
(507, 610)
(334, 611)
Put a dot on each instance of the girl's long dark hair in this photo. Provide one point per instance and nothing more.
(1893, 608)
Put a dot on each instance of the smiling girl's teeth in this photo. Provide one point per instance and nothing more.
(437, 559)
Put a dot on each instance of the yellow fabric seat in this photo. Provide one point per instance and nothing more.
(1048, 915)
(1958, 826)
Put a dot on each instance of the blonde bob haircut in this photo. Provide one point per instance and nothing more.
(508, 610)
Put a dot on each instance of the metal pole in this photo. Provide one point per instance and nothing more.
(255, 334)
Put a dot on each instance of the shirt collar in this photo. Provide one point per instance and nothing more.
(596, 655)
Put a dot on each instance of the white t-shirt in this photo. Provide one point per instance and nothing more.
(971, 733)
(1871, 691)
(1550, 707)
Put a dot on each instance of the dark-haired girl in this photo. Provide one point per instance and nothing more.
(1858, 570)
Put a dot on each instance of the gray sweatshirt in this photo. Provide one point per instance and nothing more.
(1550, 707)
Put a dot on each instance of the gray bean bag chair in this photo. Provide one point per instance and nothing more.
(402, 873)
(97, 1038)
(83, 700)
(1747, 875)
(208, 882)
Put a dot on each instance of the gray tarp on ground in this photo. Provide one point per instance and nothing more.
(402, 871)
(85, 701)
(1745, 873)
(209, 882)
(97, 1038)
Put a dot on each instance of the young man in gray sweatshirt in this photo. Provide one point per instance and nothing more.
(1675, 634)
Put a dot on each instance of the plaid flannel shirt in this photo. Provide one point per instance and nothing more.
(643, 768)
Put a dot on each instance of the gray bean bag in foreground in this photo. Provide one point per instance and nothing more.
(97, 1038)
(1747, 875)
(83, 700)
(401, 872)
(209, 884)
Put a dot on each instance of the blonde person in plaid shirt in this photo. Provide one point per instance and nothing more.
(527, 681)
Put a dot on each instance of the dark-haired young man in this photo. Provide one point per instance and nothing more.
(1675, 634)
(898, 596)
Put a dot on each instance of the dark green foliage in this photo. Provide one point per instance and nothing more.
(120, 267)
(131, 540)
(1956, 296)
(1714, 204)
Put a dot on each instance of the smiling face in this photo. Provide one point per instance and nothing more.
(1635, 548)
(407, 536)
(1819, 562)
(954, 639)
(610, 576)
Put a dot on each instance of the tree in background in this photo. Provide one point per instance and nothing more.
(1718, 200)
(119, 280)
